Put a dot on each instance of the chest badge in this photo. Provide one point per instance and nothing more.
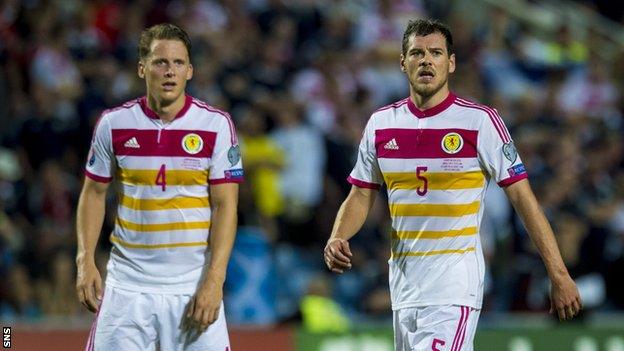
(452, 143)
(192, 143)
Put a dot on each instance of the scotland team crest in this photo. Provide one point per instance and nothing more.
(452, 143)
(192, 143)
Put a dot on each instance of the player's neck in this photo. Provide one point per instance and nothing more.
(427, 102)
(166, 112)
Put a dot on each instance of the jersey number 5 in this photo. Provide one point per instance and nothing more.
(420, 170)
(161, 178)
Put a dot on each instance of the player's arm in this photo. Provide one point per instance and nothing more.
(204, 309)
(565, 297)
(90, 216)
(350, 218)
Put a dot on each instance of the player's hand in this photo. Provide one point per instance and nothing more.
(337, 255)
(89, 286)
(203, 309)
(565, 298)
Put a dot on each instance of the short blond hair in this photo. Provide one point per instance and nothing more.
(162, 31)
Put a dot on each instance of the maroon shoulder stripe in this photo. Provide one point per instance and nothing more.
(228, 118)
(494, 118)
(125, 105)
(148, 142)
(425, 143)
(97, 124)
(491, 112)
(497, 117)
(393, 105)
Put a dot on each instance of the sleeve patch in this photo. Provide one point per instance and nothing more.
(234, 155)
(510, 152)
(233, 173)
(516, 170)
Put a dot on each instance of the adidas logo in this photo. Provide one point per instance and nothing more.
(132, 143)
(391, 145)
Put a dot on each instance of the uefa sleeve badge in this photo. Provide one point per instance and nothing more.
(510, 152)
(234, 154)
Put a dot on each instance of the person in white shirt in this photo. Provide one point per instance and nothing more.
(436, 154)
(178, 163)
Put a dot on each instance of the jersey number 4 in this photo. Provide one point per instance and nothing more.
(161, 178)
(420, 174)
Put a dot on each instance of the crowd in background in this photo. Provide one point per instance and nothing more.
(300, 79)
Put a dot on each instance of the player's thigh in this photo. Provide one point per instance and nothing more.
(437, 328)
(175, 334)
(124, 322)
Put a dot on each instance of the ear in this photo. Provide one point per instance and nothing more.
(452, 63)
(141, 69)
(402, 63)
(189, 73)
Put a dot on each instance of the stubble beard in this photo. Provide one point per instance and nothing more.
(427, 90)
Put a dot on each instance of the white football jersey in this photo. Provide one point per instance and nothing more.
(436, 165)
(160, 239)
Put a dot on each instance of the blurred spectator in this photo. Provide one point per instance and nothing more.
(20, 300)
(301, 179)
(319, 312)
(264, 159)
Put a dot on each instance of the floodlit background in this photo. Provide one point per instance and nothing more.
(300, 79)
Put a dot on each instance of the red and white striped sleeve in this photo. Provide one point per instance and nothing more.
(226, 165)
(100, 161)
(497, 151)
(366, 173)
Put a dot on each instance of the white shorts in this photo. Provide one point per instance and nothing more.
(437, 328)
(130, 320)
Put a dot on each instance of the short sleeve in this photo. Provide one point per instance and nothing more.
(100, 161)
(226, 165)
(498, 153)
(366, 173)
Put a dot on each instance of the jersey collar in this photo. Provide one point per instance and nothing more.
(448, 101)
(153, 115)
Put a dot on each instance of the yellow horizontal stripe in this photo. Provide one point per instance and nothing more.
(172, 177)
(430, 234)
(435, 180)
(162, 226)
(441, 210)
(163, 204)
(431, 253)
(115, 239)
